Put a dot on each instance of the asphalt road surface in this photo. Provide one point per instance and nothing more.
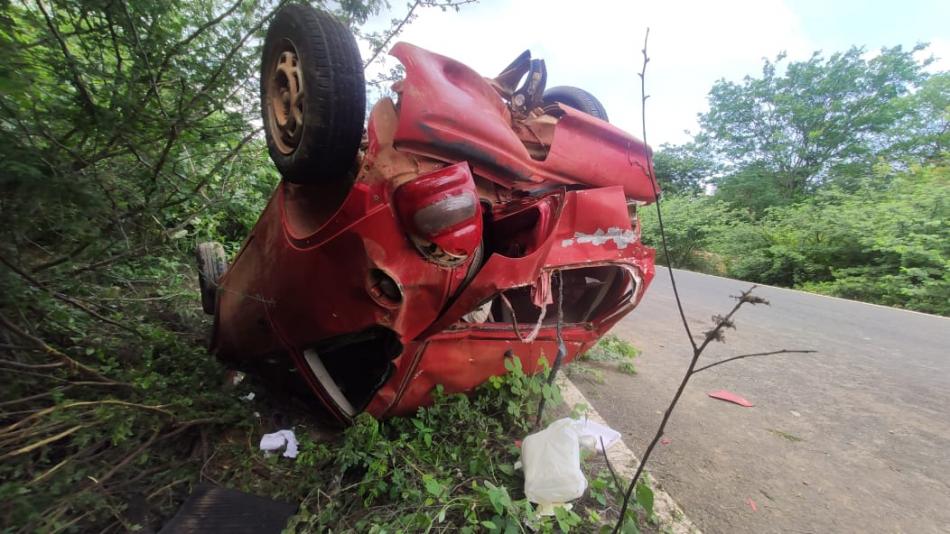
(855, 438)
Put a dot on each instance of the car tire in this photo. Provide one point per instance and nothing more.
(578, 99)
(212, 264)
(313, 96)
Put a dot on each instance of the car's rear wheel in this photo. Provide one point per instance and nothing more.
(212, 264)
(313, 97)
(578, 99)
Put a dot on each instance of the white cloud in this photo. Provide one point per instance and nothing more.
(940, 49)
(596, 45)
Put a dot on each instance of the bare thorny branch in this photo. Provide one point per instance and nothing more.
(397, 28)
(720, 322)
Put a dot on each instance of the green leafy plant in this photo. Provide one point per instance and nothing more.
(828, 174)
(883, 239)
(610, 348)
(449, 467)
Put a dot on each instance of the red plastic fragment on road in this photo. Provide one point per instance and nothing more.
(665, 441)
(752, 505)
(731, 397)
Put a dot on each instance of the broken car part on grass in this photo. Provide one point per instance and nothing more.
(427, 252)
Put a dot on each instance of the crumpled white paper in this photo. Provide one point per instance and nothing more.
(279, 439)
(586, 427)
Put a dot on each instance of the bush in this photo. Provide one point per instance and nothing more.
(883, 238)
(449, 468)
(887, 242)
(691, 223)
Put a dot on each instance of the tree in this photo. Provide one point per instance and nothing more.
(691, 223)
(752, 189)
(796, 125)
(830, 174)
(128, 130)
(682, 169)
(924, 132)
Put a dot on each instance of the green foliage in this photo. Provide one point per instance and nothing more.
(125, 136)
(610, 348)
(886, 240)
(830, 175)
(795, 125)
(450, 467)
(627, 368)
(923, 134)
(890, 247)
(645, 498)
(172, 388)
(683, 169)
(751, 191)
(690, 222)
(128, 133)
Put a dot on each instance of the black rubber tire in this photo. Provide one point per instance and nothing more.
(212, 264)
(333, 95)
(578, 99)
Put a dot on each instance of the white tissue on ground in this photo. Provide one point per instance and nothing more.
(279, 440)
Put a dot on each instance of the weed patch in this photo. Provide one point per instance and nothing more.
(785, 435)
(448, 468)
(612, 349)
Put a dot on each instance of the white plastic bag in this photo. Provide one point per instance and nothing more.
(552, 464)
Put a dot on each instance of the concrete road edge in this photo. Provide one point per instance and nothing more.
(670, 516)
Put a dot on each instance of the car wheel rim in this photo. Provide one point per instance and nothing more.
(285, 96)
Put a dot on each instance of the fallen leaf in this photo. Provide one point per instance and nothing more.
(730, 397)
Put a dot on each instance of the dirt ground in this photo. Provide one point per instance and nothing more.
(855, 438)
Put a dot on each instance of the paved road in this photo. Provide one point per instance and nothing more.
(855, 438)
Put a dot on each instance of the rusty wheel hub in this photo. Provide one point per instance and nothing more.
(285, 95)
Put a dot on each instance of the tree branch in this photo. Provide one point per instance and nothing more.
(71, 363)
(66, 298)
(714, 334)
(756, 354)
(85, 99)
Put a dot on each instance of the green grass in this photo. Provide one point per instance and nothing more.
(790, 437)
(612, 348)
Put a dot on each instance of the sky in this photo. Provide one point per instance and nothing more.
(595, 45)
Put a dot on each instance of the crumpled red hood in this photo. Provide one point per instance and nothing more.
(456, 115)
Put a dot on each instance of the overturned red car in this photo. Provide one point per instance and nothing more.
(459, 227)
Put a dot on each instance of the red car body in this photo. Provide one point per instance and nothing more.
(449, 253)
